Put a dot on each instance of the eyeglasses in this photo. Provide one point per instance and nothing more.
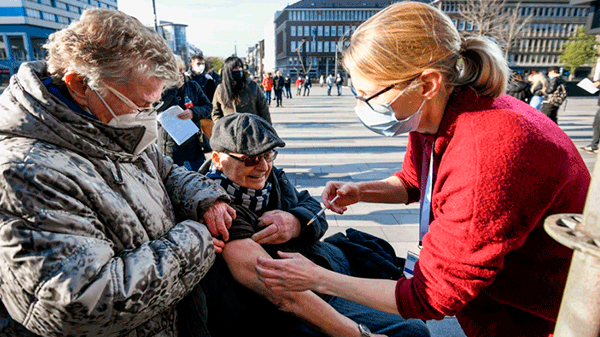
(255, 160)
(366, 100)
(144, 111)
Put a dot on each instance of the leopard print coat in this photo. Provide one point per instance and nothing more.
(94, 240)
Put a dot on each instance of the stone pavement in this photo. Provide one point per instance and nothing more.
(326, 141)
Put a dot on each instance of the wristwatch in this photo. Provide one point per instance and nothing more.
(364, 331)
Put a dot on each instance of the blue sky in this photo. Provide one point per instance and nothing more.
(213, 26)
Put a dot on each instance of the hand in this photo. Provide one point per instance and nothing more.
(348, 194)
(280, 227)
(219, 245)
(293, 272)
(218, 219)
(187, 114)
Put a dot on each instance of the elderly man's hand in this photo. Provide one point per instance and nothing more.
(218, 219)
(187, 114)
(279, 226)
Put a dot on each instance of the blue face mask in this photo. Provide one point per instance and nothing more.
(381, 118)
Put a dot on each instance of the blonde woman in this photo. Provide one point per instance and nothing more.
(538, 86)
(486, 167)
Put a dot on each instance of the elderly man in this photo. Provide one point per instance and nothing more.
(100, 235)
(272, 215)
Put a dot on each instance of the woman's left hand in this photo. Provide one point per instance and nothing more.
(187, 114)
(293, 272)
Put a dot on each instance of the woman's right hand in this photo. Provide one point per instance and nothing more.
(348, 193)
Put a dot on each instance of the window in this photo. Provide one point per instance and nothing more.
(61, 5)
(319, 46)
(340, 31)
(306, 31)
(48, 16)
(62, 19)
(2, 49)
(325, 46)
(332, 49)
(313, 46)
(303, 17)
(461, 25)
(313, 31)
(292, 46)
(469, 25)
(46, 2)
(333, 31)
(326, 31)
(32, 13)
(320, 31)
(293, 31)
(455, 22)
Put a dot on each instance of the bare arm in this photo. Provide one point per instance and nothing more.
(241, 257)
(296, 273)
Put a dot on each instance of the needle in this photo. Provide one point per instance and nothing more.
(314, 218)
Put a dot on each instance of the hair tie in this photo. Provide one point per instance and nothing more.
(463, 47)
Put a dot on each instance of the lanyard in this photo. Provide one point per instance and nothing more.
(426, 206)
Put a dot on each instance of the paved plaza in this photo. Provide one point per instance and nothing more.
(326, 141)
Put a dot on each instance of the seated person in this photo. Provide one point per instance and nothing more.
(272, 215)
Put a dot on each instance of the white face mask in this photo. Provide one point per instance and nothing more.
(382, 118)
(199, 68)
(147, 120)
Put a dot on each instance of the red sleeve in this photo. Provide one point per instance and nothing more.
(497, 181)
(411, 167)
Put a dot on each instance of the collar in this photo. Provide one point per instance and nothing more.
(66, 98)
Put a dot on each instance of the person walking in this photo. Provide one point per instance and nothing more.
(538, 86)
(278, 84)
(287, 86)
(338, 82)
(554, 94)
(330, 83)
(267, 84)
(593, 146)
(307, 86)
(237, 93)
(299, 84)
(321, 80)
(102, 235)
(199, 72)
(482, 216)
(519, 88)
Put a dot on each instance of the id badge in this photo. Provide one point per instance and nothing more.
(409, 265)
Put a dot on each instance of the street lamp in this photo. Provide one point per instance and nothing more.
(155, 20)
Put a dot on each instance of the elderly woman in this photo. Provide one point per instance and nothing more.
(237, 93)
(486, 168)
(272, 215)
(101, 234)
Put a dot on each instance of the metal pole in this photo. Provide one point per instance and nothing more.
(155, 19)
(579, 313)
(336, 58)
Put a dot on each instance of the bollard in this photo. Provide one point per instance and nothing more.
(579, 314)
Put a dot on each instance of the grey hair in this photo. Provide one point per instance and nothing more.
(110, 47)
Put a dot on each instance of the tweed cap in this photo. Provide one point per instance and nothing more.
(244, 133)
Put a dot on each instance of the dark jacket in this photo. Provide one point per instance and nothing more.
(519, 90)
(552, 86)
(194, 147)
(287, 82)
(278, 83)
(252, 100)
(207, 83)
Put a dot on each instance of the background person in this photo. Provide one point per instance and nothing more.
(519, 88)
(199, 72)
(278, 83)
(101, 233)
(190, 154)
(272, 214)
(555, 83)
(287, 86)
(338, 83)
(593, 146)
(299, 83)
(481, 215)
(267, 84)
(538, 86)
(307, 85)
(330, 83)
(236, 93)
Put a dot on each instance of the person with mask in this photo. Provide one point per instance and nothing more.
(486, 168)
(189, 97)
(287, 86)
(278, 83)
(236, 93)
(101, 234)
(199, 73)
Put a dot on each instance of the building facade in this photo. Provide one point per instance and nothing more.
(176, 36)
(541, 40)
(26, 24)
(310, 34)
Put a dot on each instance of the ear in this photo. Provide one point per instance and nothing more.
(216, 160)
(432, 83)
(77, 86)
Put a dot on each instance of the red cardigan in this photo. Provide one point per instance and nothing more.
(500, 167)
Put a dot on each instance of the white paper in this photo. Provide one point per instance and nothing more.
(179, 129)
(588, 86)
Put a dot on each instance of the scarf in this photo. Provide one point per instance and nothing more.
(254, 200)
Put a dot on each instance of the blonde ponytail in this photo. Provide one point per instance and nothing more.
(484, 68)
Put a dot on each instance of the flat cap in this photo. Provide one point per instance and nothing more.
(244, 133)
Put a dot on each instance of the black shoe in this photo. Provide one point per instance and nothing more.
(590, 149)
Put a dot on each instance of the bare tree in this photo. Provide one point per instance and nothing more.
(497, 19)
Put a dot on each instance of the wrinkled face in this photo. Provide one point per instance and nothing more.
(254, 177)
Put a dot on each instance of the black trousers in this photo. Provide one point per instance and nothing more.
(550, 111)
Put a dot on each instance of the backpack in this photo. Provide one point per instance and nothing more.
(559, 95)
